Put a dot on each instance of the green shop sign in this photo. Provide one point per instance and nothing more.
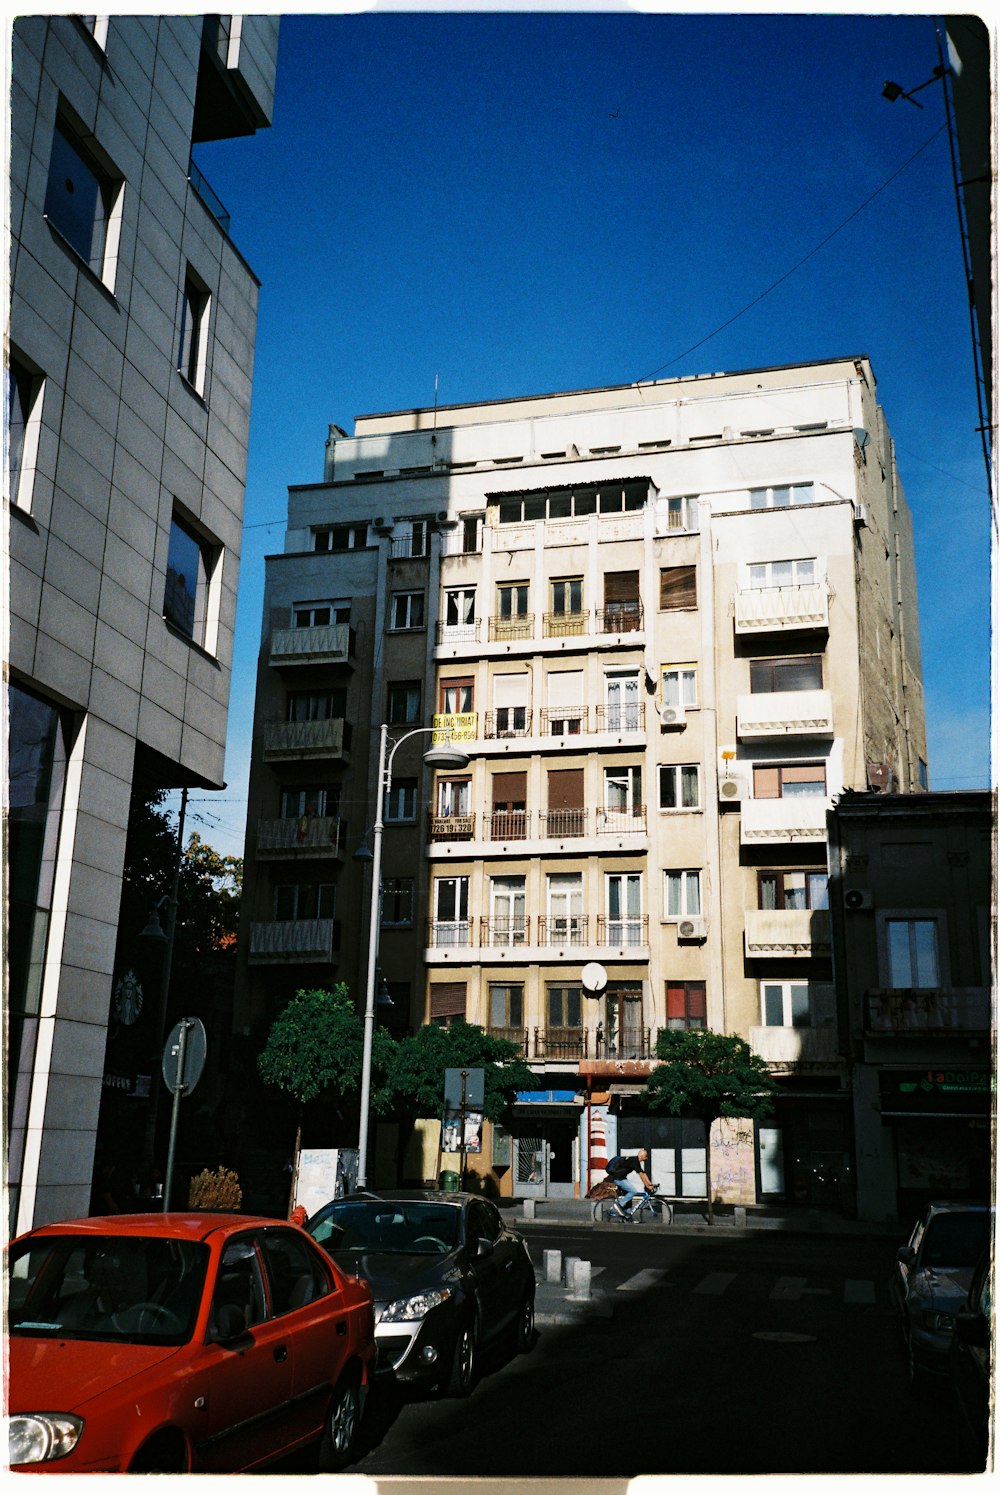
(959, 1091)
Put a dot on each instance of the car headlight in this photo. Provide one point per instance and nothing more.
(415, 1307)
(38, 1437)
(944, 1323)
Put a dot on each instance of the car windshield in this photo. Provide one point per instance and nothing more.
(123, 1289)
(956, 1239)
(399, 1227)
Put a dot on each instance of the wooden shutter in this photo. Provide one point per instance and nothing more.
(510, 789)
(766, 783)
(565, 788)
(447, 999)
(678, 587)
(621, 586)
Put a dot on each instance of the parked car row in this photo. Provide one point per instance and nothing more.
(218, 1342)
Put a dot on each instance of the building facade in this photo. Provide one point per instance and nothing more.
(668, 623)
(912, 909)
(131, 336)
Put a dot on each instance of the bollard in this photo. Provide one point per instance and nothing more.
(529, 1209)
(552, 1263)
(569, 1263)
(580, 1279)
(740, 1216)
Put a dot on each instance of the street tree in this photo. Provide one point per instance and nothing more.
(707, 1075)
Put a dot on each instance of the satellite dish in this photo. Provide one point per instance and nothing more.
(594, 978)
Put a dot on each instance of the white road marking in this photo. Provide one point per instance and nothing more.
(791, 1289)
(715, 1283)
(641, 1281)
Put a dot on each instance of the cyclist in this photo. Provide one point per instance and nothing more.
(620, 1170)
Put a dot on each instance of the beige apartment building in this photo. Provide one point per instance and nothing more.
(130, 347)
(668, 623)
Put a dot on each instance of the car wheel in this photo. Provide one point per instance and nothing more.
(463, 1366)
(526, 1323)
(341, 1428)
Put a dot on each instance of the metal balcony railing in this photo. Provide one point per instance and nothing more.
(623, 1043)
(622, 822)
(502, 933)
(632, 930)
(458, 633)
(620, 617)
(516, 1036)
(452, 827)
(930, 1010)
(628, 718)
(565, 929)
(563, 823)
(563, 721)
(509, 825)
(323, 739)
(448, 932)
(508, 721)
(505, 629)
(407, 548)
(312, 835)
(564, 625)
(561, 1043)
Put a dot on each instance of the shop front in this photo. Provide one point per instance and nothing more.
(939, 1119)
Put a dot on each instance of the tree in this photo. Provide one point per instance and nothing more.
(707, 1075)
(413, 1082)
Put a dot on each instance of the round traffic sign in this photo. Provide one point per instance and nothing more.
(183, 1070)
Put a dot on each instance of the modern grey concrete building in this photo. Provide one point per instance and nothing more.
(131, 340)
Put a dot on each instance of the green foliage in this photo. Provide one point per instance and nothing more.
(413, 1081)
(706, 1075)
(316, 1044)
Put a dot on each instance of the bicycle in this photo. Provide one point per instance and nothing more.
(648, 1203)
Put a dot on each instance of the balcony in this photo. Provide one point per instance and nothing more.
(305, 940)
(787, 931)
(779, 609)
(773, 821)
(625, 1043)
(620, 617)
(622, 822)
(458, 633)
(302, 836)
(508, 825)
(564, 721)
(517, 1036)
(566, 929)
(507, 721)
(505, 933)
(625, 933)
(454, 726)
(564, 625)
(452, 827)
(452, 934)
(963, 1009)
(562, 824)
(504, 630)
(301, 741)
(628, 718)
(561, 1043)
(784, 713)
(330, 645)
(790, 1048)
(408, 548)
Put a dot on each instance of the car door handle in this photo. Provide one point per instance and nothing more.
(281, 1353)
(341, 1326)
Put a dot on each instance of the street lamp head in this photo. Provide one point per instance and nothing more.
(153, 929)
(364, 853)
(446, 756)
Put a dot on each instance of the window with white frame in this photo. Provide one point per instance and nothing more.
(681, 892)
(311, 799)
(623, 901)
(679, 685)
(83, 200)
(564, 901)
(790, 888)
(401, 800)
(406, 611)
(565, 709)
(460, 611)
(912, 952)
(454, 797)
(621, 692)
(299, 901)
(507, 917)
(24, 420)
(680, 786)
(623, 789)
(451, 911)
(781, 495)
(766, 574)
(192, 355)
(682, 513)
(322, 613)
(785, 1004)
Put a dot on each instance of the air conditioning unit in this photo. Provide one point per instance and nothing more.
(692, 929)
(855, 898)
(861, 516)
(731, 790)
(673, 716)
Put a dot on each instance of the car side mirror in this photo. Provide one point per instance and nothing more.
(227, 1323)
(484, 1248)
(906, 1255)
(973, 1330)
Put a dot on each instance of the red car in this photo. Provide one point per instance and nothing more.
(181, 1342)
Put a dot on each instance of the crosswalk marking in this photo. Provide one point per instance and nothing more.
(791, 1289)
(641, 1281)
(715, 1283)
(856, 1290)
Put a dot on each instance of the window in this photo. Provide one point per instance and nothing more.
(685, 1004)
(321, 614)
(566, 815)
(678, 588)
(404, 703)
(681, 893)
(564, 898)
(510, 704)
(313, 799)
(680, 685)
(451, 911)
(785, 1004)
(804, 672)
(98, 28)
(317, 705)
(507, 921)
(788, 889)
(762, 574)
(621, 690)
(295, 1274)
(407, 610)
(409, 540)
(472, 533)
(397, 902)
(512, 599)
(457, 695)
(623, 1032)
(509, 799)
(567, 596)
(781, 496)
(447, 1002)
(682, 513)
(922, 778)
(788, 780)
(401, 800)
(343, 537)
(305, 900)
(24, 419)
(912, 951)
(83, 202)
(623, 789)
(460, 611)
(454, 797)
(564, 1005)
(565, 711)
(506, 1005)
(192, 356)
(680, 786)
(623, 900)
(190, 563)
(614, 497)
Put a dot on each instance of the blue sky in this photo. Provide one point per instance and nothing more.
(526, 202)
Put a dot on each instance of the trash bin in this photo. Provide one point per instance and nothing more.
(450, 1182)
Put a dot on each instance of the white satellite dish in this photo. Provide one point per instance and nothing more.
(594, 978)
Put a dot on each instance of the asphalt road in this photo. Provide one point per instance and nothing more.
(775, 1354)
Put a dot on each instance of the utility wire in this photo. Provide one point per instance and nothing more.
(798, 265)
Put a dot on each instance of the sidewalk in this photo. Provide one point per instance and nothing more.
(691, 1218)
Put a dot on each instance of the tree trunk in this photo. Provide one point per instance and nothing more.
(708, 1170)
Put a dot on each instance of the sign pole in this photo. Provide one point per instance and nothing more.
(461, 1123)
(178, 1088)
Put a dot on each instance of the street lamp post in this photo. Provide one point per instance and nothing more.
(442, 756)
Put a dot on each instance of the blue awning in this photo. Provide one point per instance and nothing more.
(546, 1097)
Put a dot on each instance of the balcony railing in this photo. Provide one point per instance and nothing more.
(785, 713)
(332, 644)
(564, 625)
(407, 548)
(624, 1043)
(765, 609)
(561, 1043)
(787, 931)
(628, 718)
(563, 721)
(790, 1047)
(508, 721)
(458, 633)
(516, 1036)
(452, 827)
(509, 825)
(442, 933)
(294, 939)
(560, 824)
(505, 629)
(325, 739)
(308, 835)
(504, 932)
(620, 617)
(934, 1010)
(623, 932)
(564, 929)
(622, 822)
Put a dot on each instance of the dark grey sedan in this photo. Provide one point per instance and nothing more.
(448, 1277)
(931, 1279)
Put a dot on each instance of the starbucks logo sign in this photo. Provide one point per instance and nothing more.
(128, 998)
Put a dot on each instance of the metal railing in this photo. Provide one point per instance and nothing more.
(516, 1036)
(561, 1043)
(620, 617)
(622, 822)
(564, 625)
(317, 835)
(628, 718)
(508, 721)
(407, 548)
(624, 1043)
(504, 932)
(565, 929)
(560, 823)
(442, 933)
(504, 629)
(629, 931)
(509, 825)
(564, 721)
(458, 633)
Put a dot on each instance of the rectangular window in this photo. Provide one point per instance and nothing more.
(682, 513)
(409, 540)
(680, 786)
(623, 788)
(456, 695)
(512, 599)
(912, 948)
(454, 797)
(565, 712)
(621, 691)
(451, 911)
(312, 799)
(804, 672)
(321, 614)
(401, 800)
(762, 574)
(564, 900)
(922, 778)
(564, 1005)
(681, 893)
(447, 1001)
(190, 564)
(567, 596)
(404, 703)
(678, 588)
(623, 901)
(24, 418)
(785, 1004)
(792, 889)
(83, 201)
(782, 496)
(192, 356)
(788, 780)
(680, 685)
(406, 611)
(566, 815)
(507, 920)
(317, 705)
(298, 901)
(460, 611)
(397, 902)
(506, 1005)
(685, 1004)
(343, 537)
